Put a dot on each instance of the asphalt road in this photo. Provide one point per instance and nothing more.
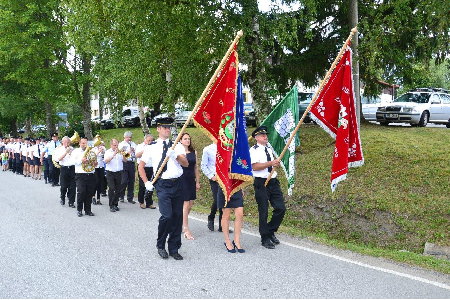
(48, 252)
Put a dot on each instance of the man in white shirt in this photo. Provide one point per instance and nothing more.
(262, 163)
(114, 166)
(168, 187)
(85, 181)
(129, 168)
(208, 167)
(67, 171)
(142, 194)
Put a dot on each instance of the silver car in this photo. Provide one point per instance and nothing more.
(418, 108)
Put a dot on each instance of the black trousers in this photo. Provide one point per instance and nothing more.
(86, 183)
(12, 163)
(128, 177)
(53, 172)
(170, 202)
(19, 163)
(264, 194)
(143, 194)
(214, 188)
(114, 180)
(45, 164)
(100, 174)
(68, 184)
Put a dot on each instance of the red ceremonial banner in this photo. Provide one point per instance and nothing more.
(335, 111)
(216, 118)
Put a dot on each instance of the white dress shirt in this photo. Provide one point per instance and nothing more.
(76, 157)
(142, 147)
(115, 164)
(154, 152)
(258, 155)
(126, 147)
(208, 164)
(66, 161)
(100, 156)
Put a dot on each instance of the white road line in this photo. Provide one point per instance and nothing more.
(438, 284)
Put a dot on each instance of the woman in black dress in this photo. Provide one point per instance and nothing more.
(191, 182)
(235, 203)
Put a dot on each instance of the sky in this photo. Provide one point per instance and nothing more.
(264, 5)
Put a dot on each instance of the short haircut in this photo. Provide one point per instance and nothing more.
(127, 134)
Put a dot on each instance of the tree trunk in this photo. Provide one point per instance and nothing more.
(353, 21)
(28, 127)
(48, 119)
(142, 119)
(14, 127)
(86, 101)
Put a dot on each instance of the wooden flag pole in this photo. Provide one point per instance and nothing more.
(322, 84)
(201, 99)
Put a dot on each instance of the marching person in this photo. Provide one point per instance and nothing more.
(53, 172)
(129, 171)
(99, 172)
(235, 203)
(30, 158)
(114, 166)
(191, 182)
(143, 194)
(85, 180)
(208, 166)
(23, 157)
(262, 163)
(168, 187)
(37, 150)
(67, 167)
(44, 160)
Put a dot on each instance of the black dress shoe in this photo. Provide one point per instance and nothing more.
(90, 214)
(57, 184)
(176, 256)
(163, 253)
(121, 200)
(103, 195)
(99, 202)
(71, 205)
(268, 244)
(79, 213)
(117, 208)
(132, 201)
(112, 209)
(62, 202)
(211, 225)
(274, 239)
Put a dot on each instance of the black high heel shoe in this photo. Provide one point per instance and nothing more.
(232, 250)
(99, 202)
(238, 250)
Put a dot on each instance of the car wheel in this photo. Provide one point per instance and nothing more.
(423, 119)
(447, 125)
(384, 123)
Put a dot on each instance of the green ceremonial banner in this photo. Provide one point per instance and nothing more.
(284, 118)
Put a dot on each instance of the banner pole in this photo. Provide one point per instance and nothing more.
(201, 99)
(322, 84)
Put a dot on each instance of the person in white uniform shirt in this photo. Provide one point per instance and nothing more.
(99, 172)
(67, 171)
(168, 187)
(262, 163)
(85, 181)
(114, 166)
(144, 195)
(37, 150)
(129, 168)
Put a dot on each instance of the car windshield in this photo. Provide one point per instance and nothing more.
(413, 97)
(304, 98)
(126, 112)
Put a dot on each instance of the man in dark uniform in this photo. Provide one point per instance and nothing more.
(262, 163)
(168, 187)
(18, 156)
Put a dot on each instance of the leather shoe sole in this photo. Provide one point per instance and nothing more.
(163, 253)
(176, 256)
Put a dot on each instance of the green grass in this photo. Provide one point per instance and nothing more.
(389, 207)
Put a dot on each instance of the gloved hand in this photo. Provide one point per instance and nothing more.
(171, 153)
(149, 186)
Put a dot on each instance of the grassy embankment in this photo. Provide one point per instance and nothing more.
(389, 207)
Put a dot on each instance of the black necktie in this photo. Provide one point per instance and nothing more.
(268, 159)
(55, 144)
(39, 151)
(165, 148)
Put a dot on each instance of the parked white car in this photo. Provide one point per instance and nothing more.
(418, 108)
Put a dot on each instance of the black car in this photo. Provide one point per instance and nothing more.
(132, 121)
(304, 99)
(107, 124)
(250, 116)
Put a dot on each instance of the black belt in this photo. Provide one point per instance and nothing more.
(171, 179)
(68, 167)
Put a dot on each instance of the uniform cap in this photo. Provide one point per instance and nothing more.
(259, 130)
